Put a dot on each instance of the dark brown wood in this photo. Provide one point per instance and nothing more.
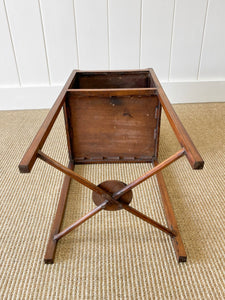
(112, 186)
(170, 218)
(116, 159)
(158, 118)
(150, 173)
(69, 132)
(109, 80)
(30, 156)
(80, 221)
(113, 128)
(145, 218)
(192, 153)
(51, 246)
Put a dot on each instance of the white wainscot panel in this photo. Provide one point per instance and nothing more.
(92, 34)
(124, 34)
(28, 97)
(195, 92)
(213, 52)
(8, 72)
(26, 29)
(187, 39)
(157, 20)
(60, 35)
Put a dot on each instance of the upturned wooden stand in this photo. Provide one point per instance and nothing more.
(112, 117)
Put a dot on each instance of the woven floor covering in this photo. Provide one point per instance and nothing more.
(114, 255)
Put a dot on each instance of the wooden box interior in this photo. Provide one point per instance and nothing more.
(110, 80)
(109, 120)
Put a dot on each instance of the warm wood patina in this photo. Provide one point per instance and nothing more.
(112, 116)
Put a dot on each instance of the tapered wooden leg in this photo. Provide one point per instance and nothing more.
(51, 246)
(170, 217)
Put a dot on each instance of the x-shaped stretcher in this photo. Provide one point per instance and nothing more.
(111, 195)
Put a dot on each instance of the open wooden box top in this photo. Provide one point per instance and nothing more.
(113, 117)
(112, 80)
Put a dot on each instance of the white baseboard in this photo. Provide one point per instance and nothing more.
(178, 92)
(195, 91)
(28, 97)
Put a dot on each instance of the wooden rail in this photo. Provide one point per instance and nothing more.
(30, 156)
(150, 173)
(73, 175)
(81, 220)
(184, 139)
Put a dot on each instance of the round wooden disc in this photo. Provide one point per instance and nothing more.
(112, 186)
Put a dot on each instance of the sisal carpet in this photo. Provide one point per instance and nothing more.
(113, 255)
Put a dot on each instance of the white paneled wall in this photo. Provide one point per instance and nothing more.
(92, 34)
(43, 40)
(212, 64)
(188, 28)
(124, 33)
(156, 36)
(8, 66)
(60, 39)
(28, 41)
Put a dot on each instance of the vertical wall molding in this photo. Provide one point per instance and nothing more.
(124, 34)
(11, 39)
(203, 37)
(157, 25)
(172, 35)
(109, 64)
(75, 28)
(140, 39)
(43, 33)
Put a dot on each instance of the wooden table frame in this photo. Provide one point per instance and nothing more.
(108, 198)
